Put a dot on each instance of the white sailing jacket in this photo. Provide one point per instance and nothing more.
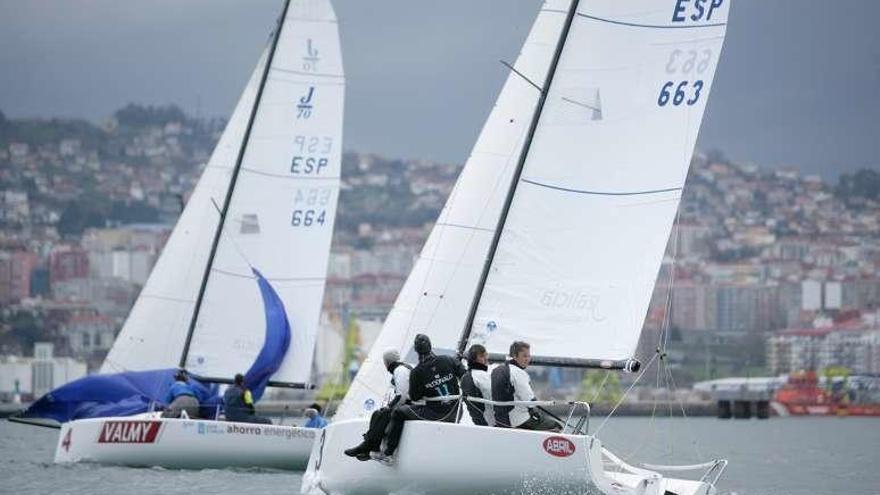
(522, 391)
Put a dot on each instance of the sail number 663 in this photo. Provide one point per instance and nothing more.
(680, 92)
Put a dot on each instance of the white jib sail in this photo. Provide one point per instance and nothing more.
(438, 292)
(593, 209)
(154, 333)
(280, 219)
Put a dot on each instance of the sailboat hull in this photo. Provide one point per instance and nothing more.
(441, 458)
(184, 443)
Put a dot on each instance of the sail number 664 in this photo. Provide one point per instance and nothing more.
(307, 218)
(680, 92)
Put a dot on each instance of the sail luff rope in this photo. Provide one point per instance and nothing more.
(228, 199)
(524, 153)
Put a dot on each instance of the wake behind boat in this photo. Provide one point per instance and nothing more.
(554, 234)
(239, 285)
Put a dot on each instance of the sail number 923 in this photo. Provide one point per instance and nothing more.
(307, 218)
(676, 93)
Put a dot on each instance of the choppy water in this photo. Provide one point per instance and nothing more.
(791, 456)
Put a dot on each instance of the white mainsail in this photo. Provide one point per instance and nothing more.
(279, 219)
(592, 209)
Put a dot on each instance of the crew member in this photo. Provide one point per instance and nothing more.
(434, 377)
(313, 412)
(510, 382)
(397, 395)
(240, 403)
(181, 397)
(477, 383)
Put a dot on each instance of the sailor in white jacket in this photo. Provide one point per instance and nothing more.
(397, 395)
(477, 383)
(510, 382)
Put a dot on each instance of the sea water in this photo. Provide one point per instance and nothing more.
(790, 456)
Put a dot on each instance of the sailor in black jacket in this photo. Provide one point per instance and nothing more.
(434, 377)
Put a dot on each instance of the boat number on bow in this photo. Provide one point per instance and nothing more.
(66, 442)
(129, 432)
(559, 446)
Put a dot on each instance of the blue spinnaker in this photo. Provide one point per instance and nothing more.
(117, 394)
(276, 343)
(136, 392)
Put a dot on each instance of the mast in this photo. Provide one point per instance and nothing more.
(524, 153)
(226, 201)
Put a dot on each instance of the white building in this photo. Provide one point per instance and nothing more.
(37, 375)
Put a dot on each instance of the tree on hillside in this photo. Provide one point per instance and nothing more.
(133, 115)
(862, 184)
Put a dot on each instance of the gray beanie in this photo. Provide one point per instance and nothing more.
(390, 356)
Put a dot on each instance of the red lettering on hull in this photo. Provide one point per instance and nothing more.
(559, 446)
(129, 432)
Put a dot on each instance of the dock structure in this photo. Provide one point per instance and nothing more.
(742, 398)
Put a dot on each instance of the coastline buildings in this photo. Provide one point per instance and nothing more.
(28, 378)
(853, 344)
(85, 212)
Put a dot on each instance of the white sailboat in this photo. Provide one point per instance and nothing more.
(554, 234)
(265, 204)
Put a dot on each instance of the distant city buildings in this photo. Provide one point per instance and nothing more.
(853, 344)
(26, 378)
(756, 255)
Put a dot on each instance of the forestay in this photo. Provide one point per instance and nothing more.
(592, 212)
(279, 219)
(439, 290)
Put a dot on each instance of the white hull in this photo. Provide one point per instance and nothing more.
(183, 443)
(441, 458)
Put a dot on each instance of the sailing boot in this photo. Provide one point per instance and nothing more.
(361, 452)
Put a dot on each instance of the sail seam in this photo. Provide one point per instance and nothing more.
(291, 279)
(461, 226)
(310, 19)
(301, 73)
(166, 298)
(649, 26)
(283, 176)
(601, 193)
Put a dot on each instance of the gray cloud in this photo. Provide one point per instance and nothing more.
(797, 84)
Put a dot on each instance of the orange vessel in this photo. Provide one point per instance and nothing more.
(802, 396)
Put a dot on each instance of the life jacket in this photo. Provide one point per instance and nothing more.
(393, 366)
(502, 391)
(470, 388)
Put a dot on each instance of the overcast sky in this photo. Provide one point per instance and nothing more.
(798, 83)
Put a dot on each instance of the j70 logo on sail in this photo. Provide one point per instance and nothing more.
(305, 106)
(310, 60)
(559, 446)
